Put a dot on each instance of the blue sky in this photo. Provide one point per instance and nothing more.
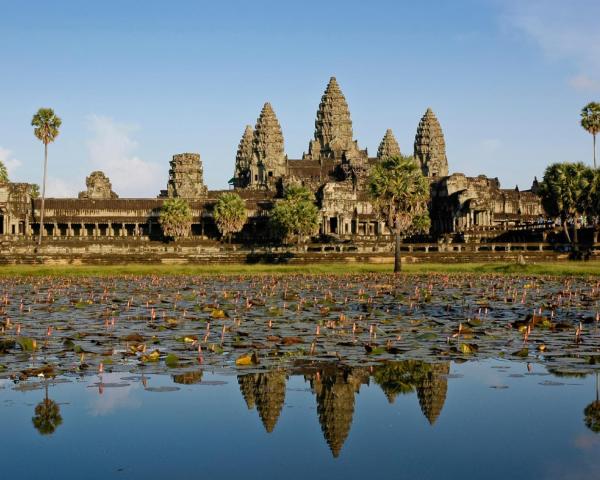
(137, 81)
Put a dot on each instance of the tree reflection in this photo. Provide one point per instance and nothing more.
(592, 412)
(47, 416)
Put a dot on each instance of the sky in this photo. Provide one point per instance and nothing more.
(138, 81)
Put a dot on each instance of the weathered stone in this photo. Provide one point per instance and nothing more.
(243, 159)
(98, 187)
(186, 178)
(430, 147)
(388, 147)
(269, 162)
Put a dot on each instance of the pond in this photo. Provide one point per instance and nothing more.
(297, 376)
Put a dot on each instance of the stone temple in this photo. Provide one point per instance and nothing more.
(334, 167)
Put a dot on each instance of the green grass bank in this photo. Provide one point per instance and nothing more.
(553, 268)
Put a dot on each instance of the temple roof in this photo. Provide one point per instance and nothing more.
(430, 146)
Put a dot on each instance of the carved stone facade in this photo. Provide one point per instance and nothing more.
(430, 147)
(98, 187)
(186, 177)
(388, 147)
(334, 168)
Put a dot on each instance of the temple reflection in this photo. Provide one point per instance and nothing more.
(266, 392)
(335, 387)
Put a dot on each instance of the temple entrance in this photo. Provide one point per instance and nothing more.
(333, 225)
(1, 224)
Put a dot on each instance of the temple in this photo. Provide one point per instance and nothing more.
(334, 167)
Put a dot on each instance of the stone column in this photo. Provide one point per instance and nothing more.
(136, 231)
(69, 231)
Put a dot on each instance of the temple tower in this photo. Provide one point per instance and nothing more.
(388, 147)
(243, 159)
(333, 126)
(98, 187)
(430, 147)
(186, 177)
(269, 162)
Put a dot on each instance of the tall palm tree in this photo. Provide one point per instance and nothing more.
(46, 129)
(590, 120)
(400, 196)
(592, 412)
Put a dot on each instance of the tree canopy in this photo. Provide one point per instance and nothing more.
(296, 214)
(590, 121)
(3, 173)
(46, 124)
(175, 218)
(567, 192)
(230, 213)
(400, 194)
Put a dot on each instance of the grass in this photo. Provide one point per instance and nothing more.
(554, 268)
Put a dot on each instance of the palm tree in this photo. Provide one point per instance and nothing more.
(46, 125)
(230, 214)
(47, 416)
(566, 192)
(400, 194)
(175, 218)
(3, 173)
(590, 121)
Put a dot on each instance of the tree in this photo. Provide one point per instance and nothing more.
(295, 215)
(34, 191)
(566, 192)
(46, 129)
(400, 194)
(230, 214)
(47, 416)
(590, 121)
(3, 173)
(175, 218)
(592, 412)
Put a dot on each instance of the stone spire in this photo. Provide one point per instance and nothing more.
(98, 187)
(247, 385)
(432, 391)
(430, 147)
(186, 177)
(333, 126)
(268, 156)
(243, 158)
(270, 396)
(388, 147)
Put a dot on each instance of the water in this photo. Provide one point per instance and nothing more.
(411, 419)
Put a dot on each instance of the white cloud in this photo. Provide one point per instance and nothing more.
(112, 150)
(9, 161)
(57, 188)
(565, 31)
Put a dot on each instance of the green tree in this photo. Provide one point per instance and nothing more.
(175, 218)
(400, 194)
(296, 215)
(590, 121)
(47, 416)
(3, 173)
(34, 191)
(592, 412)
(230, 214)
(47, 126)
(566, 192)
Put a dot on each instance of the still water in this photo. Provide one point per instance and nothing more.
(409, 419)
